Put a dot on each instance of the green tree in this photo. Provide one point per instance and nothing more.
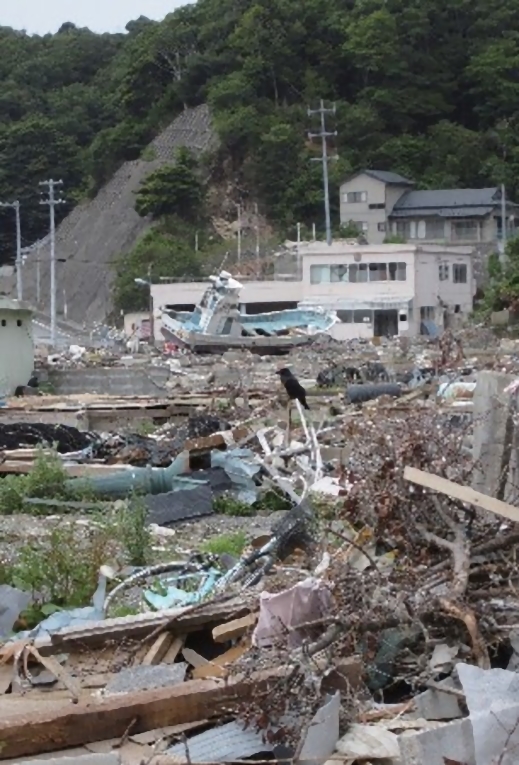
(173, 190)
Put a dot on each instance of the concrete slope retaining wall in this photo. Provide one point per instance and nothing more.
(113, 381)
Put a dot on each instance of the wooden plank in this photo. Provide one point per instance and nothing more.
(219, 667)
(180, 621)
(234, 629)
(80, 724)
(74, 471)
(53, 666)
(159, 649)
(463, 493)
(194, 658)
(174, 650)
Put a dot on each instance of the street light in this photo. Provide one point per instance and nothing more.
(147, 283)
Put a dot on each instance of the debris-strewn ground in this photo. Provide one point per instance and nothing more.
(336, 562)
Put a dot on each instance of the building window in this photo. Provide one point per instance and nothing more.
(465, 230)
(4, 323)
(427, 313)
(443, 272)
(360, 225)
(353, 197)
(459, 273)
(403, 229)
(397, 272)
(378, 206)
(378, 272)
(381, 226)
(362, 317)
(345, 316)
(402, 317)
(434, 229)
(319, 274)
(358, 273)
(338, 273)
(18, 322)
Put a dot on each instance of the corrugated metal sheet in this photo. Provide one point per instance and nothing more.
(448, 198)
(226, 744)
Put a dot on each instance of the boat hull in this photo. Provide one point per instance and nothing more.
(199, 342)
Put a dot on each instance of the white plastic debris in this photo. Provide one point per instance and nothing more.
(493, 700)
(442, 659)
(369, 742)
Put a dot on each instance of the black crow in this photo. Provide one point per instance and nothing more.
(292, 386)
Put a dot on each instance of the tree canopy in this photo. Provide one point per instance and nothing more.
(427, 88)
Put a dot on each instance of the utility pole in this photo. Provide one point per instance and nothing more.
(16, 207)
(256, 217)
(323, 134)
(503, 217)
(52, 202)
(238, 207)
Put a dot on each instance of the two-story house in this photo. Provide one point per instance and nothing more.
(383, 204)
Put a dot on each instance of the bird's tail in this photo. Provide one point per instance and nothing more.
(306, 405)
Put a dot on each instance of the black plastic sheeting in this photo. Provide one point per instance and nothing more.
(139, 451)
(176, 506)
(20, 435)
(356, 394)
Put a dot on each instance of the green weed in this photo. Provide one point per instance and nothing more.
(226, 544)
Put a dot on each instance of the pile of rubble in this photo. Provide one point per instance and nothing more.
(376, 622)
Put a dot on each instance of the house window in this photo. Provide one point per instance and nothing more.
(360, 225)
(353, 197)
(358, 273)
(427, 313)
(397, 272)
(434, 229)
(403, 229)
(381, 226)
(319, 274)
(465, 230)
(362, 317)
(378, 206)
(378, 272)
(443, 272)
(402, 317)
(459, 273)
(338, 273)
(18, 322)
(345, 316)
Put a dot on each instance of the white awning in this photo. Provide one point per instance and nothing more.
(380, 303)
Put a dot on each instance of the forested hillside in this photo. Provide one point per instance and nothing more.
(428, 88)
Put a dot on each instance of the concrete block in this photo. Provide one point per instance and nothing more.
(453, 741)
(496, 438)
(145, 678)
(86, 759)
(435, 705)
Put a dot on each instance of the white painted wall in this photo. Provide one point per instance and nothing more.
(16, 349)
(422, 284)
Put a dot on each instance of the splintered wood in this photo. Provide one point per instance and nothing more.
(75, 725)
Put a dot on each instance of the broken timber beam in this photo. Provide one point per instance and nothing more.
(234, 629)
(463, 493)
(86, 722)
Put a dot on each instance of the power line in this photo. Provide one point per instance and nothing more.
(323, 134)
(16, 207)
(52, 202)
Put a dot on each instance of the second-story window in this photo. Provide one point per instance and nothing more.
(443, 272)
(397, 272)
(339, 273)
(358, 273)
(353, 197)
(459, 273)
(378, 272)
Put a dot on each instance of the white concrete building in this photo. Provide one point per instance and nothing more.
(16, 345)
(386, 289)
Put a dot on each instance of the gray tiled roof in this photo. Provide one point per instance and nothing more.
(414, 200)
(388, 177)
(442, 212)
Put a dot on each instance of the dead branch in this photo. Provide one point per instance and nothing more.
(468, 617)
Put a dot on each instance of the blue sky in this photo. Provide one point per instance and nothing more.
(42, 16)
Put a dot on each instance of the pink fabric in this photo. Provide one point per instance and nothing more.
(307, 601)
